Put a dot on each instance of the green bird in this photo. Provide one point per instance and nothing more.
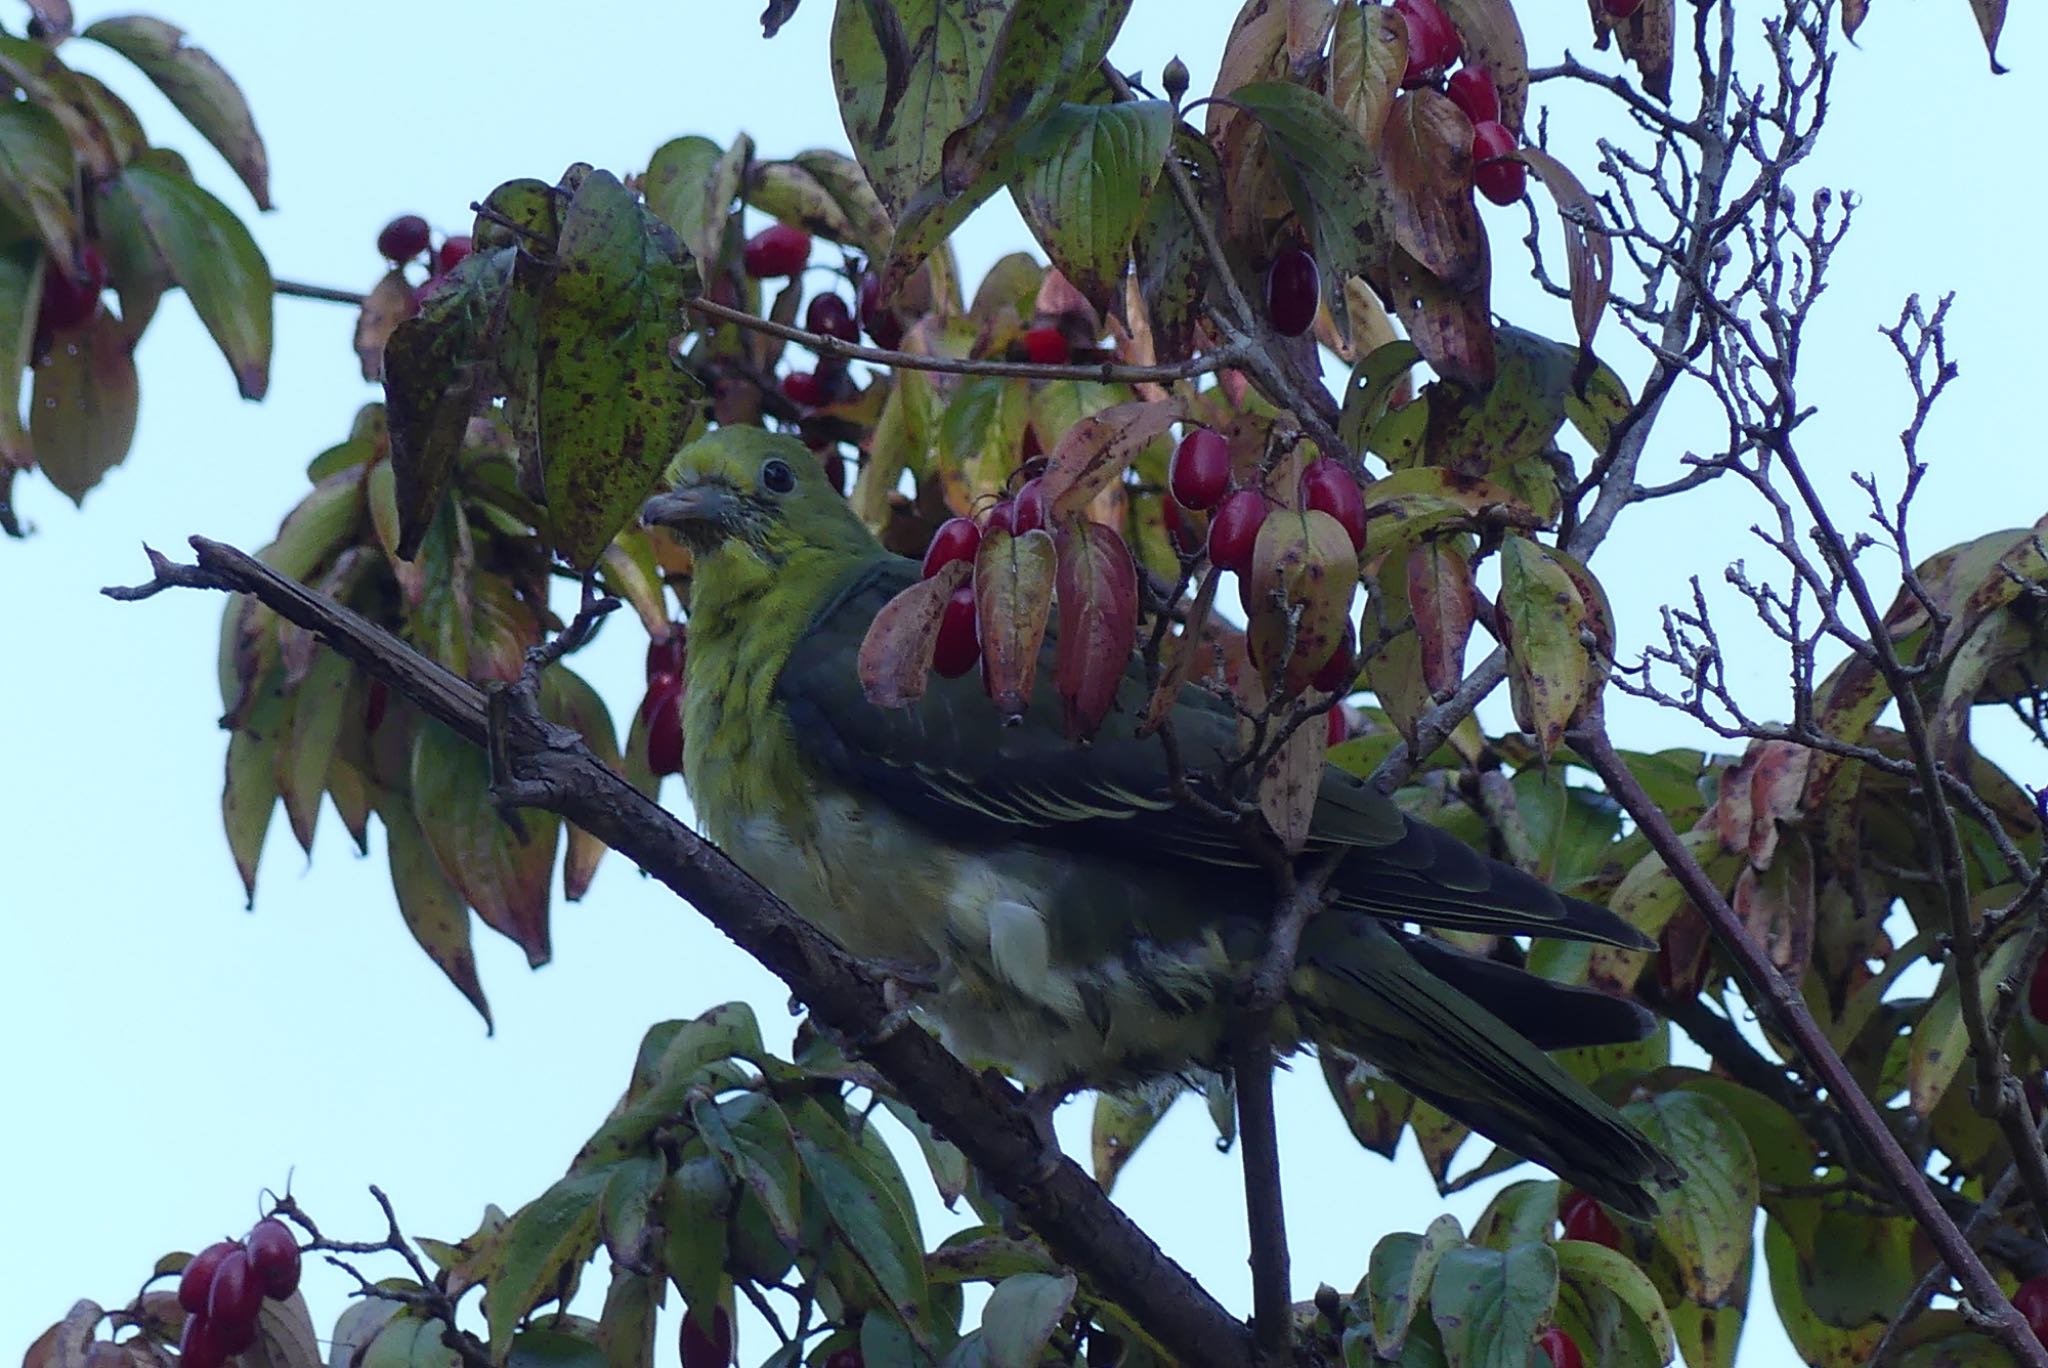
(1055, 911)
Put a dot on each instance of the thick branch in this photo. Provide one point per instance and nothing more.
(552, 768)
(1781, 1004)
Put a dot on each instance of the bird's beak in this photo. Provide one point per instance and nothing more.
(689, 505)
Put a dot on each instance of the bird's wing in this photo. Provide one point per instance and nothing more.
(949, 762)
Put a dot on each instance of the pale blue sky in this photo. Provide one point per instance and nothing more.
(169, 1056)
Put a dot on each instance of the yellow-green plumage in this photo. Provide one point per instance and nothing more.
(1061, 914)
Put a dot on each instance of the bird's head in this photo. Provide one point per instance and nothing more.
(757, 497)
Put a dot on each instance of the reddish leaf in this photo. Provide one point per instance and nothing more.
(1097, 587)
(1299, 589)
(1442, 600)
(1427, 149)
(390, 302)
(1854, 12)
(1588, 254)
(1646, 40)
(82, 413)
(1493, 39)
(1776, 905)
(1290, 783)
(1013, 581)
(896, 654)
(1187, 654)
(504, 878)
(1452, 328)
(1254, 50)
(1094, 452)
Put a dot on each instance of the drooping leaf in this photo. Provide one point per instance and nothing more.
(1706, 1222)
(1452, 327)
(390, 302)
(1990, 22)
(1042, 51)
(1548, 668)
(504, 878)
(1085, 178)
(307, 749)
(568, 699)
(433, 908)
(1172, 270)
(36, 177)
(249, 794)
(1013, 584)
(82, 409)
(1941, 1043)
(1303, 576)
(1444, 604)
(878, 1226)
(1120, 1126)
(198, 86)
(210, 254)
(1096, 583)
(825, 193)
(548, 1237)
(1022, 1312)
(21, 272)
(1399, 1275)
(1585, 1265)
(907, 74)
(1375, 1109)
(1493, 39)
(614, 405)
(1368, 55)
(895, 658)
(691, 184)
(1426, 145)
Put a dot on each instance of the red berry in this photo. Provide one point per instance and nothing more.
(1002, 517)
(376, 699)
(1199, 474)
(664, 713)
(1563, 1350)
(2037, 991)
(404, 238)
(1433, 40)
(1341, 669)
(1032, 509)
(199, 1347)
(1499, 176)
(1326, 485)
(880, 322)
(1585, 1219)
(956, 540)
(667, 657)
(72, 297)
(834, 466)
(828, 315)
(1339, 725)
(1293, 289)
(1029, 446)
(453, 250)
(1046, 347)
(845, 1358)
(235, 1295)
(1621, 9)
(804, 389)
(1235, 529)
(1471, 89)
(2031, 1301)
(275, 1255)
(196, 1282)
(703, 1348)
(958, 646)
(777, 250)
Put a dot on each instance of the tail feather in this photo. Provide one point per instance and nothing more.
(1359, 988)
(1550, 1015)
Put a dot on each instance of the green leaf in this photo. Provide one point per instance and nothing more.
(825, 193)
(1548, 668)
(614, 405)
(1941, 1043)
(1818, 1343)
(21, 276)
(1085, 176)
(1519, 1213)
(554, 1348)
(1121, 1124)
(208, 252)
(1706, 1222)
(1331, 177)
(433, 908)
(1044, 49)
(82, 411)
(566, 698)
(755, 1146)
(907, 73)
(200, 89)
(948, 1165)
(505, 879)
(879, 1229)
(625, 1217)
(249, 795)
(1585, 1266)
(1489, 1303)
(1399, 1275)
(37, 175)
(1375, 1109)
(408, 1342)
(546, 1239)
(690, 185)
(1426, 146)
(1021, 1314)
(307, 749)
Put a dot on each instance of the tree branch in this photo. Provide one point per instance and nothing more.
(552, 768)
(1781, 1003)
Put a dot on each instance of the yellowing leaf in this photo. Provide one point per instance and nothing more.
(1013, 583)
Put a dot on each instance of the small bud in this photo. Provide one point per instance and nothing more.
(1174, 80)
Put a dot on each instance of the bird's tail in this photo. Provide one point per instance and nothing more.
(1357, 986)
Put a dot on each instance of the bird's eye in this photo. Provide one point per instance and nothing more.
(777, 477)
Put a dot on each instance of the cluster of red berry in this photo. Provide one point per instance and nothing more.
(1200, 481)
(223, 1288)
(70, 298)
(407, 239)
(1434, 45)
(662, 708)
